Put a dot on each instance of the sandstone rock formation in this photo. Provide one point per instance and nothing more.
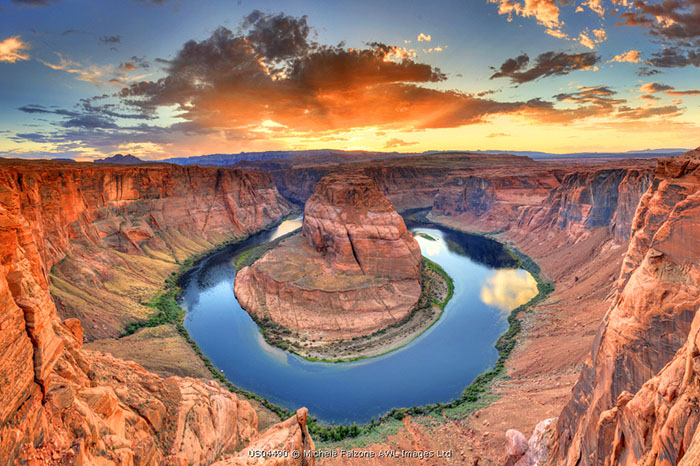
(533, 452)
(61, 404)
(108, 236)
(547, 202)
(637, 400)
(286, 438)
(354, 270)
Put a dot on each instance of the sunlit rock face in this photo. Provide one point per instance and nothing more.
(354, 269)
(357, 229)
(62, 404)
(636, 401)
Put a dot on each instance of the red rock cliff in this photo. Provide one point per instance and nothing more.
(60, 404)
(358, 230)
(112, 234)
(636, 401)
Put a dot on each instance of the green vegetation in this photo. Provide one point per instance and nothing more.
(448, 279)
(249, 257)
(274, 334)
(426, 236)
(167, 311)
(476, 396)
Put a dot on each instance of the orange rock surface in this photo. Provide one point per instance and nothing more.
(62, 404)
(108, 236)
(354, 270)
(636, 402)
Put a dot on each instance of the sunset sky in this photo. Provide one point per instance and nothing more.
(159, 78)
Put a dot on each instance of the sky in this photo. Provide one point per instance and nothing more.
(86, 79)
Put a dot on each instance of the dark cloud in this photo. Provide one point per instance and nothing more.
(546, 64)
(33, 108)
(109, 40)
(224, 81)
(277, 37)
(134, 63)
(673, 57)
(677, 20)
(646, 71)
(89, 122)
(654, 88)
(601, 96)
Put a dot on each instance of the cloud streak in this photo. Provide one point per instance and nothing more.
(546, 64)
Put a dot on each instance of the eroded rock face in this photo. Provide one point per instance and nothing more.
(358, 231)
(290, 436)
(567, 204)
(354, 270)
(61, 404)
(112, 234)
(636, 401)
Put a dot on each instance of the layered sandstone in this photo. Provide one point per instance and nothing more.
(354, 269)
(61, 404)
(286, 438)
(556, 203)
(636, 400)
(108, 236)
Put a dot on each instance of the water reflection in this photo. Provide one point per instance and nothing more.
(507, 289)
(287, 226)
(435, 367)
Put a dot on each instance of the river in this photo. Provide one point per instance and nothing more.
(435, 367)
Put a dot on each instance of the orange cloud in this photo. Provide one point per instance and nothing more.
(13, 50)
(631, 56)
(546, 12)
(424, 37)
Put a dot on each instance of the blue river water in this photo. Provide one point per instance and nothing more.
(435, 367)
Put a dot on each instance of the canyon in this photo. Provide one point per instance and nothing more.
(63, 404)
(86, 247)
(354, 269)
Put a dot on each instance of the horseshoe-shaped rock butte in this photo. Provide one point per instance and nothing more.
(353, 270)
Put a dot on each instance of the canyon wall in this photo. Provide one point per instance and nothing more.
(561, 202)
(407, 182)
(62, 404)
(636, 400)
(108, 236)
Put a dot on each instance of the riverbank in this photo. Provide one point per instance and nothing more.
(437, 290)
(161, 344)
(473, 398)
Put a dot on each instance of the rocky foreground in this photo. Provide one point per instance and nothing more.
(353, 270)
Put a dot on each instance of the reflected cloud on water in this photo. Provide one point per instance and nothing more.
(508, 289)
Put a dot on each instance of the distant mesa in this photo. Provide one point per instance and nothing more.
(354, 269)
(122, 159)
(62, 159)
